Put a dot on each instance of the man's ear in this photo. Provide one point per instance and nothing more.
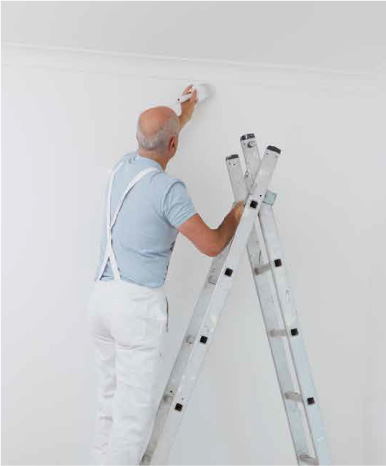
(172, 144)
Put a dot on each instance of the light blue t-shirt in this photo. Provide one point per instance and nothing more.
(145, 231)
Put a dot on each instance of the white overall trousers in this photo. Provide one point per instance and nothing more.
(128, 323)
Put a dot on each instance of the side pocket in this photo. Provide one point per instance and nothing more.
(167, 313)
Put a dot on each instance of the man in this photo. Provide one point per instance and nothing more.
(128, 312)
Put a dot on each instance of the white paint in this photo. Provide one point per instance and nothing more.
(344, 36)
(67, 118)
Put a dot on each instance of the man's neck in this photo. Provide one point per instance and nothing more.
(154, 156)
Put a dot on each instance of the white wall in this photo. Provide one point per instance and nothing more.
(374, 234)
(67, 117)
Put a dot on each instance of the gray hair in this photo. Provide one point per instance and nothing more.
(160, 140)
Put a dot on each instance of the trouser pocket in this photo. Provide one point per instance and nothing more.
(167, 314)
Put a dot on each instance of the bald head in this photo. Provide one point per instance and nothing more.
(156, 126)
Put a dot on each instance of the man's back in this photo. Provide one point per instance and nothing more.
(146, 227)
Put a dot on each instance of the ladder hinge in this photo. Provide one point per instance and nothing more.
(269, 198)
(308, 459)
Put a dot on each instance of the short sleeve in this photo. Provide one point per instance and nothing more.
(177, 204)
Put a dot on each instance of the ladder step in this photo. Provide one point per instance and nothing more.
(262, 268)
(265, 267)
(281, 332)
(278, 333)
(308, 459)
(293, 396)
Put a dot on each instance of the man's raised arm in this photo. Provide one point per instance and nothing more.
(187, 107)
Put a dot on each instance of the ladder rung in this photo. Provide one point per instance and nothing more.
(278, 333)
(262, 268)
(308, 459)
(268, 266)
(293, 396)
(281, 332)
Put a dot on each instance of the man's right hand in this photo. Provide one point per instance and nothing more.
(237, 210)
(187, 107)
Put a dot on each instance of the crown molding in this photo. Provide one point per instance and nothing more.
(184, 69)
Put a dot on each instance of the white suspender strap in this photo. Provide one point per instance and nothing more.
(108, 247)
(110, 222)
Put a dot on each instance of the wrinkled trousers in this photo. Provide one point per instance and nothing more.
(128, 324)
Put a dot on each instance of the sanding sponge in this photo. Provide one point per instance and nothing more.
(203, 92)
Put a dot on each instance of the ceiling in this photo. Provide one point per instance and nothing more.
(348, 37)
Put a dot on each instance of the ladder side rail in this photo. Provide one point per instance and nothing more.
(272, 319)
(289, 316)
(216, 304)
(196, 321)
(294, 335)
(182, 358)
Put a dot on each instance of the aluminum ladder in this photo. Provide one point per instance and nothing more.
(257, 232)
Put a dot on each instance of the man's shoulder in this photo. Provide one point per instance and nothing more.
(164, 181)
(159, 181)
(167, 190)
